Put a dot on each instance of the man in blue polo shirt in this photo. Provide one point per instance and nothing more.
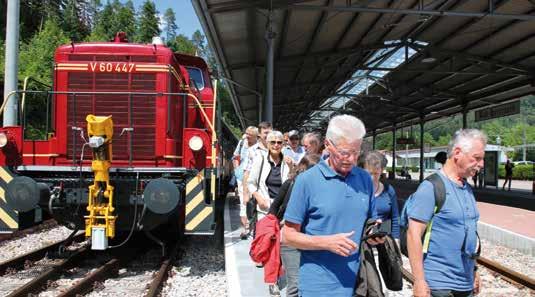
(327, 211)
(448, 266)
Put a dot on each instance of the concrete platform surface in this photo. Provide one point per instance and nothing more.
(243, 277)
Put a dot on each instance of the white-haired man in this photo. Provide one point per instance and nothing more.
(448, 268)
(311, 143)
(327, 211)
(240, 160)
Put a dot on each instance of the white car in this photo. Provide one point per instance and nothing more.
(523, 163)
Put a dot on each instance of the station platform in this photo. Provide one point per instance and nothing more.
(243, 277)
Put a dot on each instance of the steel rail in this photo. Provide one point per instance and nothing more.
(509, 275)
(86, 284)
(19, 261)
(49, 274)
(161, 276)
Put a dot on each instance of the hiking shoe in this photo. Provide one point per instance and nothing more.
(274, 291)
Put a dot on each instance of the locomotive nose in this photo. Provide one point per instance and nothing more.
(24, 194)
(161, 196)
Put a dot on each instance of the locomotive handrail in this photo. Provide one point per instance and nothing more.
(25, 84)
(203, 112)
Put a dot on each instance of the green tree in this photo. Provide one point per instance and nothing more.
(73, 27)
(198, 40)
(125, 19)
(170, 27)
(148, 23)
(37, 56)
(102, 31)
(182, 44)
(2, 58)
(37, 60)
(92, 11)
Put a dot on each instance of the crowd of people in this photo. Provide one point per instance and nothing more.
(317, 208)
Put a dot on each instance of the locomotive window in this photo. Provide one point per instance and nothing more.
(195, 74)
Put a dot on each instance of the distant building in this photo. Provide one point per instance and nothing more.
(411, 157)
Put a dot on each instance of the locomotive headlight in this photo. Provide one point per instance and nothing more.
(3, 139)
(195, 143)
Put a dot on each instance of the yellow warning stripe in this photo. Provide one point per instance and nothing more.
(8, 220)
(72, 68)
(172, 157)
(199, 218)
(3, 195)
(5, 175)
(151, 70)
(194, 182)
(72, 64)
(151, 65)
(194, 202)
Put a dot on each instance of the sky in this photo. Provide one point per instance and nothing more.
(186, 19)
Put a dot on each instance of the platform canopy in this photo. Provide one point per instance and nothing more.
(384, 61)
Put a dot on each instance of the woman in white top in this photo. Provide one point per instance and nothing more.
(268, 173)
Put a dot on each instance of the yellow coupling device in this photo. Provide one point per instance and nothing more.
(100, 201)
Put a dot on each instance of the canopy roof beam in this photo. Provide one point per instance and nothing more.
(442, 13)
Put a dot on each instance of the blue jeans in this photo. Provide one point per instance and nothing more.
(450, 293)
(291, 258)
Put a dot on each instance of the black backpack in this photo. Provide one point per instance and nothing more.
(440, 197)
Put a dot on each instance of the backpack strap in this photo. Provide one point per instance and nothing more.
(260, 173)
(439, 189)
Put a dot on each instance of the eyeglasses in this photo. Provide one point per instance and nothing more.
(294, 138)
(344, 153)
(279, 142)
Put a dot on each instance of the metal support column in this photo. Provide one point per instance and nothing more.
(422, 122)
(394, 151)
(373, 139)
(11, 60)
(465, 112)
(270, 38)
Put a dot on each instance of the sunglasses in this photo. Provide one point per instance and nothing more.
(279, 142)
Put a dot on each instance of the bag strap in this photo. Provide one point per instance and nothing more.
(260, 173)
(439, 189)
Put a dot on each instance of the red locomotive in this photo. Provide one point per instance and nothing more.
(131, 144)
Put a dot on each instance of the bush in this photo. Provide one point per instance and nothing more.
(520, 172)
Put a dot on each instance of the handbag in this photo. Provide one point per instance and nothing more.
(390, 264)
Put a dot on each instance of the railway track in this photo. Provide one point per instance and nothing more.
(48, 224)
(20, 261)
(90, 275)
(162, 274)
(509, 275)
